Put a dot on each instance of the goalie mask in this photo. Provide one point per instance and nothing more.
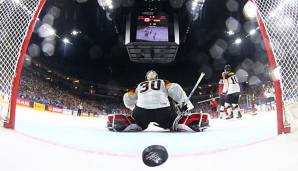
(151, 75)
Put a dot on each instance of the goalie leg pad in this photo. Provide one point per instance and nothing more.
(122, 123)
(192, 122)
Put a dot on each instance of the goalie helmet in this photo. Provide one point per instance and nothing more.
(151, 75)
(228, 68)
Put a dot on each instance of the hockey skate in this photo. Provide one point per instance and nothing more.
(239, 115)
(230, 116)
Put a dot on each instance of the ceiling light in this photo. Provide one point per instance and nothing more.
(230, 32)
(238, 41)
(74, 32)
(250, 10)
(66, 41)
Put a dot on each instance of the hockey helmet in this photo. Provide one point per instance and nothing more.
(228, 68)
(151, 75)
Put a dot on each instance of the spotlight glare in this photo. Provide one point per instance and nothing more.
(74, 33)
(238, 41)
(194, 4)
(276, 73)
(252, 32)
(52, 32)
(250, 10)
(230, 32)
(106, 4)
(66, 40)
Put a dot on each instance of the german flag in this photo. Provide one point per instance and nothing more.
(131, 91)
(168, 84)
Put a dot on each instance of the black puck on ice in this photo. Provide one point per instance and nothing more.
(155, 155)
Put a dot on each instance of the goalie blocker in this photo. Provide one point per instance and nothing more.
(193, 122)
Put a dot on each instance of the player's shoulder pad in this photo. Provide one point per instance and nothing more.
(231, 74)
(167, 83)
(143, 82)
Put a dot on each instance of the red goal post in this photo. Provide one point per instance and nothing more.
(278, 23)
(17, 21)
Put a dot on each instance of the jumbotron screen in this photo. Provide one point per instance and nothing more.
(152, 28)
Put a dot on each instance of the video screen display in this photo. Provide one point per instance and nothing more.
(152, 28)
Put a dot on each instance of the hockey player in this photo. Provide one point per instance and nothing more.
(222, 98)
(213, 107)
(233, 92)
(149, 102)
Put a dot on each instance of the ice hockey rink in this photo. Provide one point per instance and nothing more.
(51, 142)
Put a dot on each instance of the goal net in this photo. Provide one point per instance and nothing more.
(278, 22)
(17, 20)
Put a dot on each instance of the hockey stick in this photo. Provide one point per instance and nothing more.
(189, 96)
(207, 100)
(194, 88)
(196, 85)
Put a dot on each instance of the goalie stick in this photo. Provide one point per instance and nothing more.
(193, 89)
(180, 114)
(196, 85)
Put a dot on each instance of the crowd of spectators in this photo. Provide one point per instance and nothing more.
(39, 90)
(35, 88)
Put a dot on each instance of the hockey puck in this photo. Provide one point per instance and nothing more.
(155, 155)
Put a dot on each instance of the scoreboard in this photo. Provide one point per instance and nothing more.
(152, 37)
(152, 28)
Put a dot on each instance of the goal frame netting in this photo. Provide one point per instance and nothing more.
(8, 102)
(271, 18)
(283, 125)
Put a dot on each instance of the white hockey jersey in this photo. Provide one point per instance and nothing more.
(233, 83)
(154, 94)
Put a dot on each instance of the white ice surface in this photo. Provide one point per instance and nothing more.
(51, 142)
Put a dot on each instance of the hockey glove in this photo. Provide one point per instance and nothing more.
(223, 93)
(183, 107)
(224, 75)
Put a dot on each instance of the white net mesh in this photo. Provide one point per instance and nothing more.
(280, 18)
(15, 18)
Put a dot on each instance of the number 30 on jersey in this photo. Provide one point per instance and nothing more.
(150, 85)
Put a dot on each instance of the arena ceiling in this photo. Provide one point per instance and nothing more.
(80, 39)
